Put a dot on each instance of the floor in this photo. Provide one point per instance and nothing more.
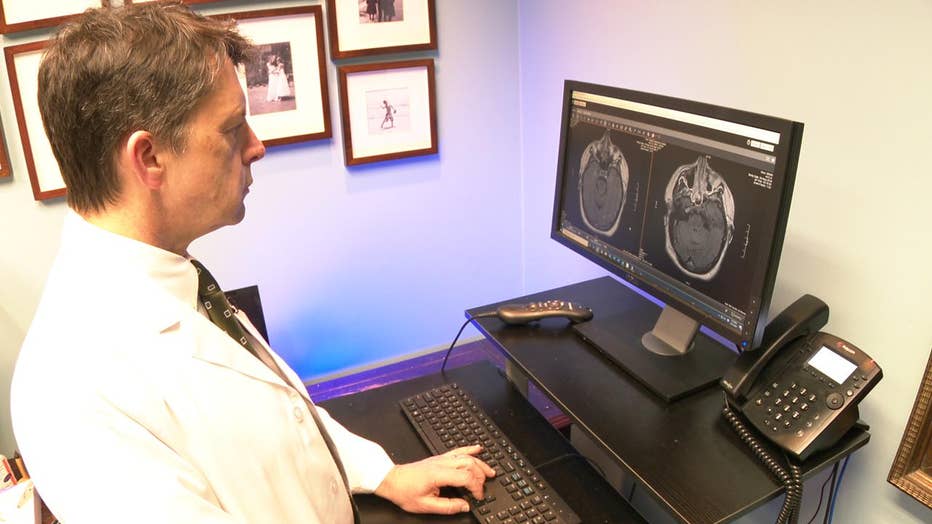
(427, 364)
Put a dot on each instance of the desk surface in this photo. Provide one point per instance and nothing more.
(376, 415)
(684, 453)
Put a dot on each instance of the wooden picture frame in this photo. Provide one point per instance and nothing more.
(286, 88)
(5, 169)
(411, 26)
(25, 15)
(128, 2)
(912, 466)
(22, 65)
(388, 110)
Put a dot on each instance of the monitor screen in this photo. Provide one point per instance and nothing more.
(687, 201)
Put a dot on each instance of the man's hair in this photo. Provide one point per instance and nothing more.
(118, 70)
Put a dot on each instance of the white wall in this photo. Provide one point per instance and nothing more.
(354, 266)
(857, 74)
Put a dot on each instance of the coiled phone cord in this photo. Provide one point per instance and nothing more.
(792, 481)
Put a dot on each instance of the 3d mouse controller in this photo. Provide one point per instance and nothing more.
(531, 311)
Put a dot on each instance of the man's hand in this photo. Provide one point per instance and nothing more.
(415, 487)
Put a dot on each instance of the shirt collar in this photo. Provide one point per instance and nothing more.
(168, 271)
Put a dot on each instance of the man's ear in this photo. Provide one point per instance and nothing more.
(142, 156)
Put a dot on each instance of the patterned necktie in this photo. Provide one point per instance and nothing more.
(219, 309)
(222, 313)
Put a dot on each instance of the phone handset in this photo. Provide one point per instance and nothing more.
(804, 316)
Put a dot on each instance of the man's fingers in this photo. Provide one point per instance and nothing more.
(474, 449)
(478, 472)
(461, 478)
(464, 457)
(442, 506)
(485, 468)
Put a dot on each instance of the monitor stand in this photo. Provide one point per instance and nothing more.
(664, 350)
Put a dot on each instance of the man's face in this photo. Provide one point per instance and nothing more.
(207, 183)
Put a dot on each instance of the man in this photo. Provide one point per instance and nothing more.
(389, 117)
(128, 404)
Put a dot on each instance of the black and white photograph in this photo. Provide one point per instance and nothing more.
(388, 111)
(286, 83)
(373, 27)
(378, 11)
(270, 80)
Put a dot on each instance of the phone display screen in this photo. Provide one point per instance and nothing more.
(831, 364)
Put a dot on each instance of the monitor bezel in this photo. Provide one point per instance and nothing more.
(787, 159)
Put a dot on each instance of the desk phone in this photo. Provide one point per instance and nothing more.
(800, 390)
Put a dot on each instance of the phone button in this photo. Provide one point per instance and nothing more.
(834, 400)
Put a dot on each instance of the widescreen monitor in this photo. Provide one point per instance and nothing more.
(688, 202)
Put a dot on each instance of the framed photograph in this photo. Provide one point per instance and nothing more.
(24, 15)
(286, 87)
(369, 27)
(912, 466)
(22, 65)
(388, 110)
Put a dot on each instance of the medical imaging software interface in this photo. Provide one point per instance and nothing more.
(682, 202)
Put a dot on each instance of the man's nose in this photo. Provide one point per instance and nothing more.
(256, 150)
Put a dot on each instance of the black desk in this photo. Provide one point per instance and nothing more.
(684, 453)
(375, 414)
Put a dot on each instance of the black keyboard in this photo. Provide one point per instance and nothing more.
(445, 418)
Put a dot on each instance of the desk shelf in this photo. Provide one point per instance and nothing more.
(684, 453)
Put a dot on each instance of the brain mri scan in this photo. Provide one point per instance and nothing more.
(603, 185)
(700, 219)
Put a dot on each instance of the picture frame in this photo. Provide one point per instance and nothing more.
(388, 110)
(410, 26)
(25, 15)
(5, 169)
(22, 65)
(911, 471)
(286, 88)
(127, 2)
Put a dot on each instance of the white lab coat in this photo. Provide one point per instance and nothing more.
(130, 406)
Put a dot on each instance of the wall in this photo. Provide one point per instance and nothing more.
(382, 260)
(857, 75)
(355, 266)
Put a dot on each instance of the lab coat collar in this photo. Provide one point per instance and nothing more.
(211, 344)
(163, 288)
(159, 278)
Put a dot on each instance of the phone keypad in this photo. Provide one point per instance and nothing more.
(788, 408)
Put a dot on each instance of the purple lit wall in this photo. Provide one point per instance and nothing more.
(362, 265)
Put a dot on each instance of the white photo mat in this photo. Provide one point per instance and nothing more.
(388, 110)
(309, 116)
(414, 29)
(25, 11)
(43, 168)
